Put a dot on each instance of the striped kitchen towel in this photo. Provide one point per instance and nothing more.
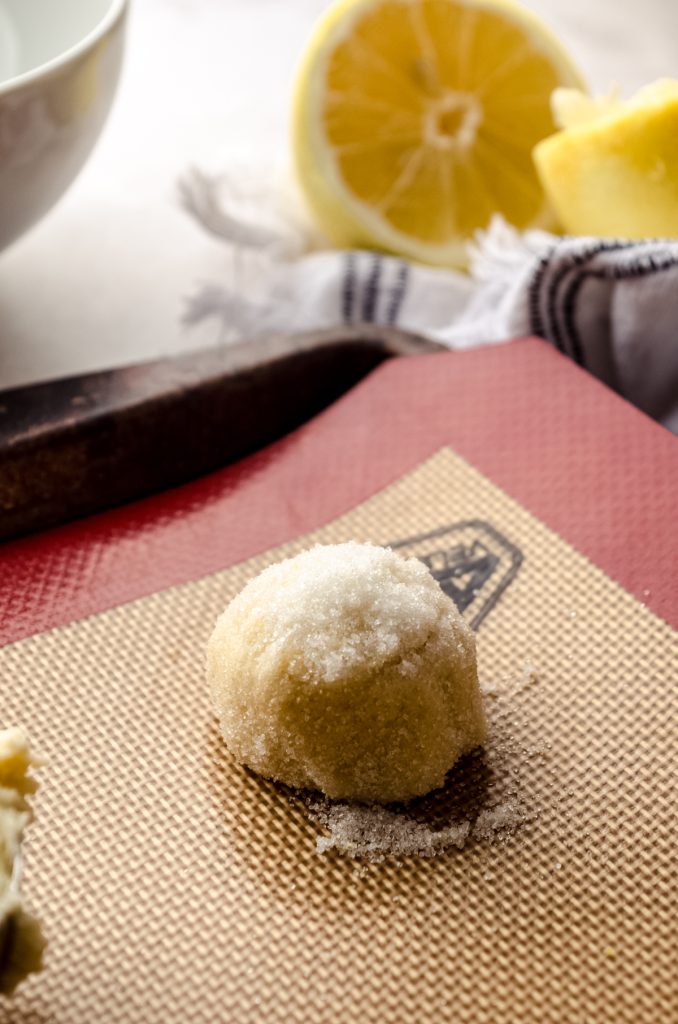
(610, 305)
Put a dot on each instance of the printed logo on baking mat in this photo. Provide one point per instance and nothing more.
(473, 562)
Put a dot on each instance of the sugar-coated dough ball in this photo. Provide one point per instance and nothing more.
(347, 669)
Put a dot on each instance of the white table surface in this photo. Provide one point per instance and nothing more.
(104, 278)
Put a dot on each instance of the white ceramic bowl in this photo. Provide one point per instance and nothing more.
(59, 67)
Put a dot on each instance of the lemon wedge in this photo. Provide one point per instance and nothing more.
(415, 120)
(612, 170)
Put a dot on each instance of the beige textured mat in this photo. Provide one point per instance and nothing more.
(174, 886)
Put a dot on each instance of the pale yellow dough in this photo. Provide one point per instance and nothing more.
(15, 813)
(347, 669)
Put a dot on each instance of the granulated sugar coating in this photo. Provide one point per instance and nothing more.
(347, 670)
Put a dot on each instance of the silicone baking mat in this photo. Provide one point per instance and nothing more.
(174, 885)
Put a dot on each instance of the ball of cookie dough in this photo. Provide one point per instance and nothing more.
(347, 669)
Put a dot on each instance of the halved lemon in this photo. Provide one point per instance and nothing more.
(415, 120)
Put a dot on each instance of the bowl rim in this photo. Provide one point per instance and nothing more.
(113, 14)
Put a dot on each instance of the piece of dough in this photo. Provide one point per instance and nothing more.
(21, 940)
(16, 785)
(347, 669)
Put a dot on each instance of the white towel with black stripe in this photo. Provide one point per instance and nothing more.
(612, 306)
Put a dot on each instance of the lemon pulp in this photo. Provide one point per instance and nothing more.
(612, 170)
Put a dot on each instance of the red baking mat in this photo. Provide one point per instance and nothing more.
(170, 881)
(590, 466)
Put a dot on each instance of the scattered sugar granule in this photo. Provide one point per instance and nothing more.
(373, 832)
(503, 817)
(513, 685)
